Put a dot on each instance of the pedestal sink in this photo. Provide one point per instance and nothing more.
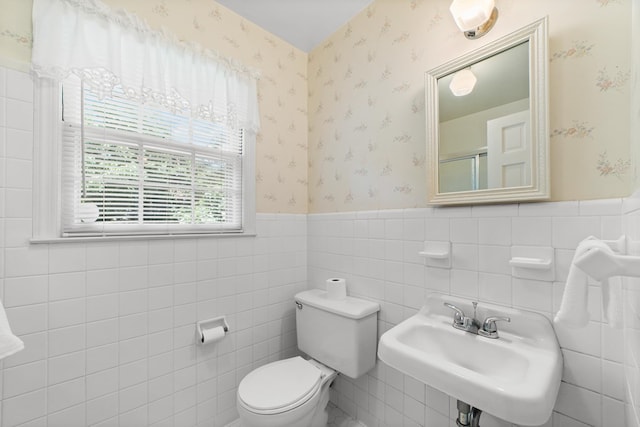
(515, 377)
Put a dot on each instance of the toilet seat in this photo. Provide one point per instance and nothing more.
(279, 386)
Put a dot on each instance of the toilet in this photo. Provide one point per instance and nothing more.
(339, 336)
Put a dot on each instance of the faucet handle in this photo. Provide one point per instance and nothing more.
(489, 328)
(458, 316)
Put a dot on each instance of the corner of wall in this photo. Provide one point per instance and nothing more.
(635, 92)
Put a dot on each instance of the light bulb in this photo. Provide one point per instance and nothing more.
(470, 14)
(463, 82)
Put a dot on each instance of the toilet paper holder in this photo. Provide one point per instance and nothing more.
(214, 322)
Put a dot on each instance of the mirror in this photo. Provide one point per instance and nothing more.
(489, 142)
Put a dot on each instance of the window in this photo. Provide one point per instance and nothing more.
(137, 133)
(135, 168)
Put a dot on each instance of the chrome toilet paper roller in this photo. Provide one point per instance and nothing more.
(211, 330)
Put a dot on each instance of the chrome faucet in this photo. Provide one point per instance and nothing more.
(463, 322)
(487, 329)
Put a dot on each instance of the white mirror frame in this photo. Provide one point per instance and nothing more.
(536, 35)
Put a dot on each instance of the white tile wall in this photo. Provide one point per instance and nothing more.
(631, 333)
(109, 328)
(631, 209)
(592, 391)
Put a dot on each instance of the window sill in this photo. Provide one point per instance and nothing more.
(91, 239)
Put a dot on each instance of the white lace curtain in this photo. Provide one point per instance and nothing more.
(109, 49)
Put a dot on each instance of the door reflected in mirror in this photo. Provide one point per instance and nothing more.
(487, 120)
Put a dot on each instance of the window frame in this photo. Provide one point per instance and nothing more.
(47, 190)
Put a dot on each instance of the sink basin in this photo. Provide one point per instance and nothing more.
(515, 377)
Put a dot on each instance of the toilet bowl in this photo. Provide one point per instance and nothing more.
(288, 393)
(338, 335)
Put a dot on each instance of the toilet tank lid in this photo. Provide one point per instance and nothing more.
(351, 307)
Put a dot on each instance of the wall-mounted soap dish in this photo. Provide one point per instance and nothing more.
(437, 254)
(532, 262)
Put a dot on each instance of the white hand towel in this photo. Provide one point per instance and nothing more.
(612, 301)
(9, 343)
(602, 264)
(573, 308)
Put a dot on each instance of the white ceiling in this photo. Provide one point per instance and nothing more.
(303, 23)
(502, 78)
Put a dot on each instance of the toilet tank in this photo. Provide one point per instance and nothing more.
(341, 334)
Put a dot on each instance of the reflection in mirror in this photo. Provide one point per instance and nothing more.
(477, 126)
(463, 171)
(487, 122)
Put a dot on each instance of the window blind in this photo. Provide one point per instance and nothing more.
(140, 168)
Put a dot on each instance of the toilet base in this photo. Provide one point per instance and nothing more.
(321, 416)
(340, 418)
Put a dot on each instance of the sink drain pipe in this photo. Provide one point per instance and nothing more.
(468, 416)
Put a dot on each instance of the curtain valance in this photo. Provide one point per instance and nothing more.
(109, 49)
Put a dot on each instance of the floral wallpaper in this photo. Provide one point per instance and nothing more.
(366, 99)
(343, 127)
(635, 92)
(15, 33)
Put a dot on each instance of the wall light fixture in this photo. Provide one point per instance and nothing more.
(474, 17)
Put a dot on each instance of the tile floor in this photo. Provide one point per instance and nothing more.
(337, 418)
